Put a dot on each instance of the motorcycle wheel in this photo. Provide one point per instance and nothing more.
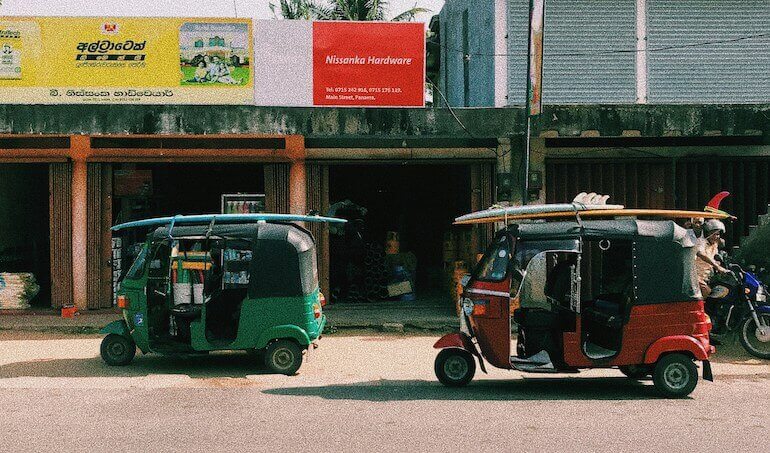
(756, 342)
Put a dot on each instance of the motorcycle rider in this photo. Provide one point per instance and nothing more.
(708, 247)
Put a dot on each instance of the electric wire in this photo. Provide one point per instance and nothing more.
(523, 53)
(457, 119)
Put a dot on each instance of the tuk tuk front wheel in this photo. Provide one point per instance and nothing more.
(117, 350)
(284, 357)
(454, 367)
(675, 376)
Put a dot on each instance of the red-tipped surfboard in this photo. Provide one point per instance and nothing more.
(583, 202)
(587, 206)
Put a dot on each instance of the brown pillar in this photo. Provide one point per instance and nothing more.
(295, 149)
(80, 146)
(297, 187)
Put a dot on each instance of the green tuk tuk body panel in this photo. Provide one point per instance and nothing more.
(261, 319)
(135, 317)
(118, 327)
(265, 320)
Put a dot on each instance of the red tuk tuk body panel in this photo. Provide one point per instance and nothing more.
(456, 340)
(651, 330)
(490, 320)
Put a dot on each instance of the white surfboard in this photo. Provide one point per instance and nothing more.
(582, 202)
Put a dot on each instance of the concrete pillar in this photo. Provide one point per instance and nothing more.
(295, 150)
(297, 187)
(80, 147)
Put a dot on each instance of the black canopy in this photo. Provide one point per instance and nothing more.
(283, 262)
(663, 252)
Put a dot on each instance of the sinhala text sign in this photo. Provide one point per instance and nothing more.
(53, 60)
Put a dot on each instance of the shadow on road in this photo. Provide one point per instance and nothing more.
(485, 390)
(234, 365)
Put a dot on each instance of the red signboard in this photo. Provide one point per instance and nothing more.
(379, 64)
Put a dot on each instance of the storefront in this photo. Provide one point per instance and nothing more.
(135, 177)
(35, 250)
(61, 195)
(399, 244)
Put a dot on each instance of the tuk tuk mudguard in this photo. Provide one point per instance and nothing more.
(676, 343)
(286, 331)
(461, 341)
(118, 327)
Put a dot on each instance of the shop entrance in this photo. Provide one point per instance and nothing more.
(400, 216)
(25, 256)
(145, 190)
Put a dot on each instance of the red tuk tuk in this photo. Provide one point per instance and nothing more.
(584, 294)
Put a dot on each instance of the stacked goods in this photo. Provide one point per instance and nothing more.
(459, 258)
(403, 268)
(455, 285)
(17, 290)
(392, 243)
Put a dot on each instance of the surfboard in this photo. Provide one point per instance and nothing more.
(220, 219)
(523, 212)
(593, 214)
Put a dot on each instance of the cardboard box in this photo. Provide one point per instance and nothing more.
(399, 289)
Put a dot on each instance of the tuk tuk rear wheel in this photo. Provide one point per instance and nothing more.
(675, 376)
(454, 367)
(284, 357)
(117, 350)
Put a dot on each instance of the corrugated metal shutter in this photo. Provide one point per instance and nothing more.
(747, 179)
(318, 200)
(60, 186)
(482, 197)
(583, 27)
(277, 188)
(518, 18)
(736, 72)
(99, 253)
(635, 184)
(683, 184)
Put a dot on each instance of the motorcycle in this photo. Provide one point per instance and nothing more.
(738, 303)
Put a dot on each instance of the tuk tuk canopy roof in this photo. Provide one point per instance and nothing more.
(631, 229)
(283, 262)
(663, 253)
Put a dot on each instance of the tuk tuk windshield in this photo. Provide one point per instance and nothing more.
(137, 269)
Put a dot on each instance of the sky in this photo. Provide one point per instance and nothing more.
(257, 9)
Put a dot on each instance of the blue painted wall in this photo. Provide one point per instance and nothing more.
(481, 39)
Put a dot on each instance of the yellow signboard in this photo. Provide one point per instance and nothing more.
(57, 60)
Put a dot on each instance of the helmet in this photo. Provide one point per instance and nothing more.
(713, 225)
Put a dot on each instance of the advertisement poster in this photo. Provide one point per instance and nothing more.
(10, 53)
(535, 81)
(379, 64)
(53, 60)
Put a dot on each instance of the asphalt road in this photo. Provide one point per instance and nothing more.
(357, 394)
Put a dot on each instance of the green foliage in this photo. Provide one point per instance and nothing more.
(354, 10)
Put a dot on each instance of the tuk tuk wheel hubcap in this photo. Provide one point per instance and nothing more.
(676, 376)
(117, 349)
(283, 358)
(456, 368)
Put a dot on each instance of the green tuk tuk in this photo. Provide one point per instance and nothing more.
(221, 282)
